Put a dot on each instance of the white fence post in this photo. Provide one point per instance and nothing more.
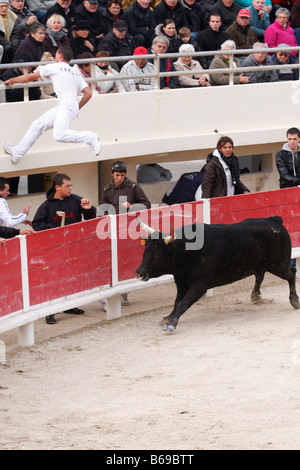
(2, 353)
(26, 332)
(114, 303)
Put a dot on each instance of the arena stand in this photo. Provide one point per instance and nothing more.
(50, 271)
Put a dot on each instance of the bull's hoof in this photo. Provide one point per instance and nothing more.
(168, 328)
(294, 300)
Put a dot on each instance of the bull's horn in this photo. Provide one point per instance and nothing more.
(148, 230)
(170, 238)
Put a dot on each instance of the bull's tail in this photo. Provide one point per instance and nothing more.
(276, 219)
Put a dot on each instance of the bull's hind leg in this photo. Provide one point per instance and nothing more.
(294, 299)
(256, 293)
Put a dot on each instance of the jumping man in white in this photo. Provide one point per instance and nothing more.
(67, 84)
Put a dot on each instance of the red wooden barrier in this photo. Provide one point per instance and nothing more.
(67, 260)
(11, 298)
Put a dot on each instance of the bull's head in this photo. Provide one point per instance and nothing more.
(156, 260)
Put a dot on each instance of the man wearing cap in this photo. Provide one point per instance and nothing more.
(240, 32)
(228, 11)
(89, 11)
(138, 67)
(118, 42)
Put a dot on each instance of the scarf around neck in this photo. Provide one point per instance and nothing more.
(55, 36)
(231, 163)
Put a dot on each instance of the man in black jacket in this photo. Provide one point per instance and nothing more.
(141, 23)
(59, 199)
(170, 9)
(118, 42)
(212, 38)
(228, 11)
(288, 160)
(196, 15)
(90, 12)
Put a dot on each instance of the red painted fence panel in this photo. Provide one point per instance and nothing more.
(67, 260)
(11, 298)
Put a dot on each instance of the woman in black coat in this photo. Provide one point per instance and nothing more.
(33, 45)
(80, 40)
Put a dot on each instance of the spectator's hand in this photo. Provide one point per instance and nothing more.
(27, 222)
(85, 203)
(27, 208)
(3, 241)
(89, 45)
(32, 19)
(26, 231)
(244, 78)
(126, 204)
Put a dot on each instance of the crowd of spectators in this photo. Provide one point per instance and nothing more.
(29, 29)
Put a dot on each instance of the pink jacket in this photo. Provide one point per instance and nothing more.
(275, 34)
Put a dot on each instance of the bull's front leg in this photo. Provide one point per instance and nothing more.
(182, 304)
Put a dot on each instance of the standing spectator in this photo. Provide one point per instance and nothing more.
(118, 42)
(7, 22)
(222, 62)
(89, 11)
(141, 23)
(170, 9)
(196, 15)
(33, 45)
(186, 63)
(222, 172)
(160, 45)
(228, 11)
(211, 38)
(280, 31)
(22, 25)
(66, 9)
(56, 36)
(241, 33)
(80, 40)
(8, 232)
(60, 198)
(283, 57)
(257, 59)
(139, 67)
(259, 19)
(6, 217)
(112, 13)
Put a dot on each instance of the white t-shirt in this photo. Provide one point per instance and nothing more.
(67, 83)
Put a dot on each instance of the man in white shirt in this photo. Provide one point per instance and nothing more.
(67, 85)
(6, 217)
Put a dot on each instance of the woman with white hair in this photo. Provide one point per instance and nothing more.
(186, 63)
(280, 32)
(222, 62)
(55, 35)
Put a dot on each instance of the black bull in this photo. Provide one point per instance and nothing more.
(229, 253)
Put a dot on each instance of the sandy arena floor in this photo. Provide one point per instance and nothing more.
(228, 378)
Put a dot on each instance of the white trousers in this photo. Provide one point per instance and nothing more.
(58, 119)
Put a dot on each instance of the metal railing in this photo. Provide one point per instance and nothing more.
(231, 70)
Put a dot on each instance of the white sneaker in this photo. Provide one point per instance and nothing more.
(9, 149)
(95, 145)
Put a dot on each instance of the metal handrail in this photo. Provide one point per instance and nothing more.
(231, 70)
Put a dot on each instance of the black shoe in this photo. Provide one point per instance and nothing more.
(75, 311)
(50, 319)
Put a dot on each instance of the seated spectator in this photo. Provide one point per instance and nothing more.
(138, 67)
(118, 42)
(295, 15)
(185, 37)
(153, 173)
(17, 94)
(7, 22)
(22, 25)
(248, 3)
(47, 91)
(168, 29)
(211, 38)
(240, 32)
(66, 9)
(257, 59)
(88, 11)
(228, 11)
(207, 5)
(280, 31)
(283, 58)
(106, 69)
(112, 13)
(222, 62)
(141, 23)
(85, 70)
(33, 45)
(80, 40)
(170, 9)
(186, 63)
(55, 34)
(160, 45)
(40, 7)
(259, 18)
(197, 17)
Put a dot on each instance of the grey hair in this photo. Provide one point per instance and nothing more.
(228, 43)
(186, 48)
(53, 17)
(283, 10)
(162, 39)
(260, 45)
